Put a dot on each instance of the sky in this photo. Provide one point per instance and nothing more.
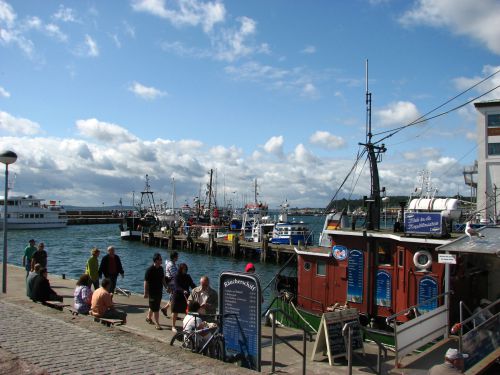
(94, 95)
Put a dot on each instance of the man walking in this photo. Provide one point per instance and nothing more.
(111, 267)
(39, 256)
(28, 254)
(154, 282)
(92, 267)
(205, 296)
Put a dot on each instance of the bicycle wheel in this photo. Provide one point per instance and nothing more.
(185, 342)
(218, 348)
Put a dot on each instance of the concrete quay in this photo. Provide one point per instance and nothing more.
(36, 339)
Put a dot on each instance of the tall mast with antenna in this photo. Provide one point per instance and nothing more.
(374, 156)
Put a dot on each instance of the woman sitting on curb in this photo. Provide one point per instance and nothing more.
(83, 294)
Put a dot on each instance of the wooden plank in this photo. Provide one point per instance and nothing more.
(108, 322)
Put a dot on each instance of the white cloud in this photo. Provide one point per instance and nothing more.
(4, 93)
(65, 14)
(471, 136)
(91, 46)
(184, 12)
(427, 152)
(231, 44)
(129, 29)
(326, 140)
(397, 114)
(7, 14)
(302, 155)
(145, 92)
(54, 31)
(310, 91)
(104, 131)
(476, 19)
(17, 125)
(274, 145)
(309, 50)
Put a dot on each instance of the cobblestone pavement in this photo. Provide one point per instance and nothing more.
(59, 347)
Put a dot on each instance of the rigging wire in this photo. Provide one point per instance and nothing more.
(331, 204)
(420, 120)
(442, 105)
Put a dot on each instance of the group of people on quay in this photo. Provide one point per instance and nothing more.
(183, 295)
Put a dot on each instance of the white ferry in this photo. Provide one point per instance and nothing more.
(28, 212)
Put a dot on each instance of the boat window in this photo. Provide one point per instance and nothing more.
(321, 268)
(42, 216)
(32, 216)
(401, 257)
(307, 266)
(20, 216)
(383, 253)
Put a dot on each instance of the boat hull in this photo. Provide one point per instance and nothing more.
(131, 235)
(47, 225)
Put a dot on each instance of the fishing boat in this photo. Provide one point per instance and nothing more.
(143, 219)
(286, 232)
(389, 275)
(29, 212)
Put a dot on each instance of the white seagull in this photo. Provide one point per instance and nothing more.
(471, 232)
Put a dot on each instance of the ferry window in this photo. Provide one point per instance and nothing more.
(494, 121)
(401, 258)
(41, 216)
(20, 216)
(493, 148)
(307, 266)
(32, 216)
(383, 254)
(321, 269)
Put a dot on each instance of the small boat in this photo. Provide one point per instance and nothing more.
(287, 232)
(28, 212)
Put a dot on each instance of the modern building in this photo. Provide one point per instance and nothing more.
(488, 159)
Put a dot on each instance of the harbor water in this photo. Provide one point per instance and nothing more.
(69, 248)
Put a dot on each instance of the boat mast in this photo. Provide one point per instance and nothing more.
(374, 156)
(210, 196)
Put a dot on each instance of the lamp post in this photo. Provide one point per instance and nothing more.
(6, 157)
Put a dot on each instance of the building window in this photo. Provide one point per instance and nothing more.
(493, 148)
(494, 121)
(321, 269)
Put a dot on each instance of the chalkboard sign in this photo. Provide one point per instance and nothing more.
(329, 338)
(240, 296)
(383, 295)
(427, 288)
(355, 271)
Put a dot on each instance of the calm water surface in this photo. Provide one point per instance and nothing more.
(69, 248)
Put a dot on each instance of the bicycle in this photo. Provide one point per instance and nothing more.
(213, 347)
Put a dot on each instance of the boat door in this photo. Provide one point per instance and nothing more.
(320, 284)
(383, 298)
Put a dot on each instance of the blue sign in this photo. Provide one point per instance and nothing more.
(340, 252)
(355, 272)
(383, 295)
(423, 223)
(427, 288)
(240, 305)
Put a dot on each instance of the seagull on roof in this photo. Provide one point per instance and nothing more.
(471, 232)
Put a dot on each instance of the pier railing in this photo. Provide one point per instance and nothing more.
(421, 330)
(272, 313)
(347, 330)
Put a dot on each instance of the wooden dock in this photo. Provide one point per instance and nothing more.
(235, 247)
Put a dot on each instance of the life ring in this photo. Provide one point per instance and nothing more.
(418, 264)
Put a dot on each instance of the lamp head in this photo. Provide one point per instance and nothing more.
(8, 157)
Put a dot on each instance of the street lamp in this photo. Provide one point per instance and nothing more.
(6, 157)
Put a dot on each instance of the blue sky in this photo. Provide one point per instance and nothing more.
(95, 94)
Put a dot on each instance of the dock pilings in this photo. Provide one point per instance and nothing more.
(235, 247)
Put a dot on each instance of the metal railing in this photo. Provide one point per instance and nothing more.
(478, 315)
(414, 308)
(347, 331)
(274, 336)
